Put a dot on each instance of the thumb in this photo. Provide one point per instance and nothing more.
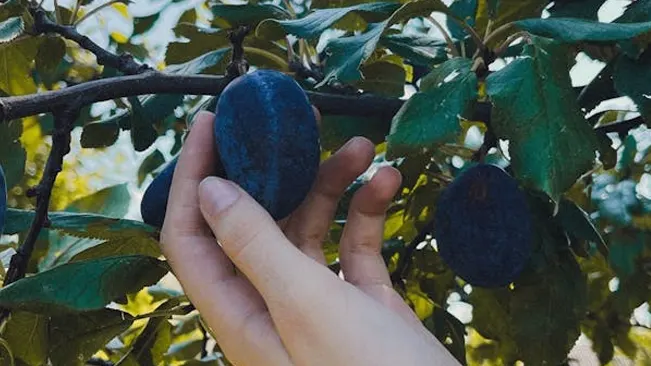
(249, 236)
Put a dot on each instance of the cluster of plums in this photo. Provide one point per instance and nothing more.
(266, 140)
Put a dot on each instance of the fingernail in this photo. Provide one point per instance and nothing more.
(218, 194)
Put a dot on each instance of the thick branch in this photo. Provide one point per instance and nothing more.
(123, 62)
(63, 122)
(154, 82)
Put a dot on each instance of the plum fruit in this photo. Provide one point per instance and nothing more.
(483, 227)
(266, 141)
(154, 202)
(3, 200)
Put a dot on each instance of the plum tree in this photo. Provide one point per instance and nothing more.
(267, 141)
(483, 227)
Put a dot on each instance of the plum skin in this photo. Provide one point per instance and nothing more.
(266, 133)
(3, 200)
(154, 201)
(266, 141)
(483, 226)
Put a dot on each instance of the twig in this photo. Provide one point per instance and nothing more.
(404, 263)
(497, 32)
(75, 11)
(471, 31)
(90, 13)
(123, 62)
(505, 45)
(238, 65)
(622, 126)
(446, 36)
(64, 120)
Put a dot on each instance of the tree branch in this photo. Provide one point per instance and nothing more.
(154, 82)
(64, 120)
(123, 62)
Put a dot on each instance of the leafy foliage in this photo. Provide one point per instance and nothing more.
(98, 287)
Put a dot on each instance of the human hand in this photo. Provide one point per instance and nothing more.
(264, 288)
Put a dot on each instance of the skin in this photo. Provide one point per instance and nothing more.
(263, 287)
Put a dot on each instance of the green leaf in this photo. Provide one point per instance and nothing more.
(104, 280)
(77, 337)
(431, 116)
(546, 311)
(588, 9)
(156, 107)
(151, 163)
(100, 134)
(144, 24)
(420, 50)
(120, 247)
(348, 53)
(201, 40)
(449, 331)
(464, 10)
(577, 221)
(143, 133)
(336, 130)
(198, 64)
(80, 224)
(440, 73)
(502, 12)
(315, 23)
(50, 53)
(111, 201)
(383, 77)
(11, 28)
(624, 253)
(28, 337)
(12, 8)
(635, 12)
(535, 108)
(15, 66)
(573, 30)
(154, 341)
(12, 153)
(633, 79)
(230, 16)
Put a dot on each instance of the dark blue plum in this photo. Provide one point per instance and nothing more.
(3, 200)
(483, 227)
(268, 139)
(154, 202)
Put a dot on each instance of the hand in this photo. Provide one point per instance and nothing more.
(265, 290)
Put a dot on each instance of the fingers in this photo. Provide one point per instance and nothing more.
(361, 240)
(252, 240)
(227, 302)
(310, 223)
